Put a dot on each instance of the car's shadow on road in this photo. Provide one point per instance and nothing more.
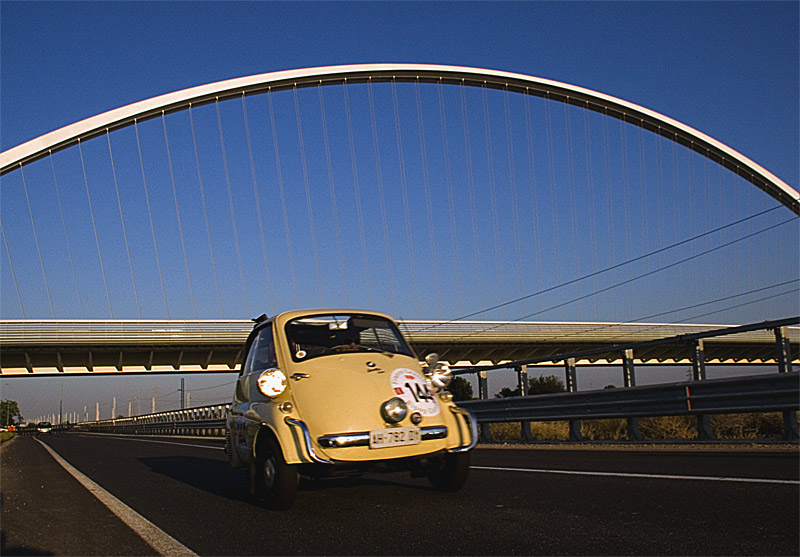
(217, 477)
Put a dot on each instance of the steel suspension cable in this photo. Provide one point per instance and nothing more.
(428, 204)
(693, 216)
(304, 164)
(624, 263)
(573, 216)
(493, 196)
(512, 181)
(334, 208)
(473, 206)
(150, 215)
(357, 192)
(535, 218)
(609, 197)
(638, 331)
(382, 197)
(258, 205)
(205, 212)
(662, 209)
(630, 280)
(448, 174)
(36, 239)
(66, 235)
(96, 237)
(11, 264)
(626, 201)
(404, 192)
(178, 215)
(552, 174)
(590, 196)
(663, 268)
(230, 206)
(122, 221)
(282, 192)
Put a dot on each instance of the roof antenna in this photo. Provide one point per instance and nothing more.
(260, 319)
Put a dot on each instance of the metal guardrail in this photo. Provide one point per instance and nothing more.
(764, 393)
(204, 421)
(760, 393)
(779, 392)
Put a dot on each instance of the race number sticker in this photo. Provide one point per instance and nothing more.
(410, 386)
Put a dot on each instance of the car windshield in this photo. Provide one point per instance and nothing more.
(320, 335)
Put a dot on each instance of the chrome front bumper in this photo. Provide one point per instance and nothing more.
(361, 439)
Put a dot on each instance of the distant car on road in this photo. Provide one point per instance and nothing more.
(329, 392)
(44, 427)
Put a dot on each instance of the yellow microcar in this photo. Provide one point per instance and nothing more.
(328, 392)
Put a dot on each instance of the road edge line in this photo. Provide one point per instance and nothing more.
(645, 476)
(154, 536)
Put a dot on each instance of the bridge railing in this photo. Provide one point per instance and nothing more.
(699, 397)
(760, 393)
(201, 421)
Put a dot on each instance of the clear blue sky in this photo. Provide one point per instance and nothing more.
(729, 69)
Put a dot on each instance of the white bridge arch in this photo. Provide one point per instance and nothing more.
(655, 122)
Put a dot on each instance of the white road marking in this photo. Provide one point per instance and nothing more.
(154, 536)
(162, 442)
(632, 475)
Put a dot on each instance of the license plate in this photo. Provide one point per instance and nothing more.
(393, 437)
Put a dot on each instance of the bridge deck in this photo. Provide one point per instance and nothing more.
(49, 347)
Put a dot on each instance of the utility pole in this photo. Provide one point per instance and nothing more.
(183, 394)
(114, 408)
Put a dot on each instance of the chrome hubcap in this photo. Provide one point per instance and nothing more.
(269, 472)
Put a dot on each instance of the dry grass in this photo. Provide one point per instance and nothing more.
(767, 425)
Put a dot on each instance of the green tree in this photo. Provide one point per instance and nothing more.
(505, 392)
(8, 411)
(461, 389)
(546, 384)
(536, 386)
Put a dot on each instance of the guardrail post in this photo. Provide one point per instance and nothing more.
(704, 432)
(572, 386)
(522, 380)
(629, 378)
(485, 435)
(784, 357)
(784, 350)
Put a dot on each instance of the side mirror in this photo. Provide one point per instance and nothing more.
(432, 359)
(438, 372)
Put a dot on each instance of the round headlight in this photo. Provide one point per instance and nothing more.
(394, 410)
(272, 382)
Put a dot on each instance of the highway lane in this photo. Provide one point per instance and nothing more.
(187, 488)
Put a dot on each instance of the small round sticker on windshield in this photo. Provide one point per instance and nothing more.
(410, 386)
(300, 354)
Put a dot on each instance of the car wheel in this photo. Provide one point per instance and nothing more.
(273, 480)
(451, 472)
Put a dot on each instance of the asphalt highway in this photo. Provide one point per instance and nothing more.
(518, 501)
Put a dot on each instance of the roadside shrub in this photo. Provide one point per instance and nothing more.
(605, 430)
(766, 425)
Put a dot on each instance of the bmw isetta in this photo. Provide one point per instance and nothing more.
(329, 392)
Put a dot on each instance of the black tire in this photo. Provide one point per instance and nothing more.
(451, 472)
(272, 479)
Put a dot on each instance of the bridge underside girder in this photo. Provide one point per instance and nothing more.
(82, 347)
